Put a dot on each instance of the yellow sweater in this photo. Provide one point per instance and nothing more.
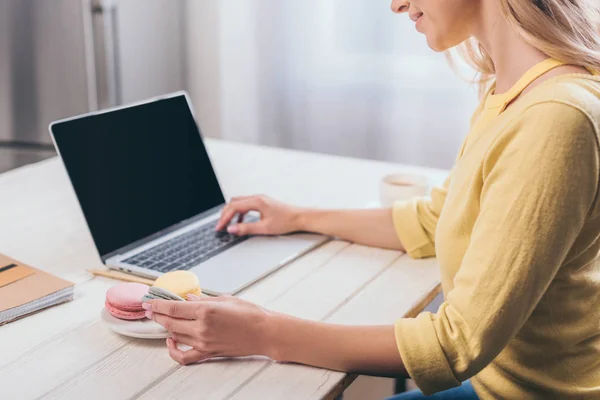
(516, 230)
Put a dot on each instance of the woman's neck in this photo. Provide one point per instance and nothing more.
(511, 55)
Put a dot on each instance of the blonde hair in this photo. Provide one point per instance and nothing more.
(566, 30)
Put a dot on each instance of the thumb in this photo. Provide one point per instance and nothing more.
(253, 228)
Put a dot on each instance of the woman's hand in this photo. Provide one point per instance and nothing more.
(230, 327)
(213, 326)
(371, 227)
(275, 218)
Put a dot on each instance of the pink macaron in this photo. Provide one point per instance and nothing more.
(124, 301)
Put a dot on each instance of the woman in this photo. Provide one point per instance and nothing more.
(515, 228)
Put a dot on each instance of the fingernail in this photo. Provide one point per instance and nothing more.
(147, 306)
(149, 314)
(233, 229)
(192, 297)
(169, 342)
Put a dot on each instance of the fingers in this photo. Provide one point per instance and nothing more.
(193, 297)
(184, 357)
(241, 206)
(229, 211)
(252, 228)
(240, 218)
(182, 326)
(183, 339)
(175, 309)
(238, 198)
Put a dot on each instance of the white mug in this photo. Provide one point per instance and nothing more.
(397, 187)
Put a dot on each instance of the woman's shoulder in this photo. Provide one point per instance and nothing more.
(559, 116)
(572, 98)
(555, 125)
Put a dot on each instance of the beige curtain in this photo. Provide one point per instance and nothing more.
(338, 76)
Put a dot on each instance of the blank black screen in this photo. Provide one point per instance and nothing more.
(138, 170)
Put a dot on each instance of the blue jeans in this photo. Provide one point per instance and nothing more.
(463, 392)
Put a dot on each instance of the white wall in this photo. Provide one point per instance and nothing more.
(42, 71)
(6, 108)
(223, 70)
(338, 76)
(151, 48)
(203, 63)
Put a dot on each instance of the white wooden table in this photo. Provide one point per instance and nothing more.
(66, 353)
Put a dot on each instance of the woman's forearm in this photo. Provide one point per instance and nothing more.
(372, 227)
(366, 350)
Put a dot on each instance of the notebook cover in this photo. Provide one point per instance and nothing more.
(30, 288)
(10, 273)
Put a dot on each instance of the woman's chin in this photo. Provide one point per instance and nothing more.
(437, 45)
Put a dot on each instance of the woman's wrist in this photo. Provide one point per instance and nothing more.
(284, 335)
(271, 333)
(301, 219)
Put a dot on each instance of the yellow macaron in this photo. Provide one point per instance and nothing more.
(181, 283)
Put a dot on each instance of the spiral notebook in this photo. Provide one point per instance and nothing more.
(25, 290)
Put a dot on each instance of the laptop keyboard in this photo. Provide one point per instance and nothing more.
(187, 250)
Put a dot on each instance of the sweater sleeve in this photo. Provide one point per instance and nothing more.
(540, 181)
(416, 219)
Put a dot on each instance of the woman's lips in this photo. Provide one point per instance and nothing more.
(417, 18)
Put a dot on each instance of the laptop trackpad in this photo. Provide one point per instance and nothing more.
(248, 261)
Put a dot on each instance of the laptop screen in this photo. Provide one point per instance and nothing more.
(137, 170)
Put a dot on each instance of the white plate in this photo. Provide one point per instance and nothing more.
(141, 328)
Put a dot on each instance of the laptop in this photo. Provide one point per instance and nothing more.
(151, 198)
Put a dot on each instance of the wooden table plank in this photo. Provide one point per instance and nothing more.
(397, 292)
(119, 375)
(298, 300)
(378, 303)
(62, 359)
(44, 327)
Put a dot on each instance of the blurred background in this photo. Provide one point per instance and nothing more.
(346, 77)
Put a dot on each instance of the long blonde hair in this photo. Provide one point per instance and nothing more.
(567, 30)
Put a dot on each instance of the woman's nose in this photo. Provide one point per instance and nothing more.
(400, 6)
